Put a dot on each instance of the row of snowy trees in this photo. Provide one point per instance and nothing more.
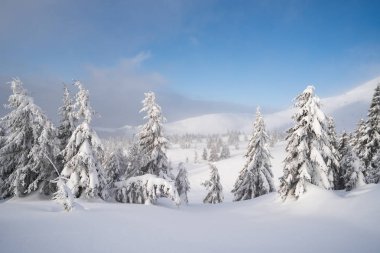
(70, 162)
(315, 155)
(30, 147)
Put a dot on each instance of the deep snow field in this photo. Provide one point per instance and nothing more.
(321, 221)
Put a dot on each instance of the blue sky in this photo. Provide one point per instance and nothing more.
(234, 54)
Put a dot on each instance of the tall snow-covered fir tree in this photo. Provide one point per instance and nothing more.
(256, 177)
(83, 152)
(30, 138)
(182, 183)
(67, 124)
(350, 165)
(309, 147)
(369, 143)
(331, 160)
(67, 119)
(152, 141)
(214, 187)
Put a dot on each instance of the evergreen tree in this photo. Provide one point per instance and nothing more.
(225, 153)
(215, 189)
(151, 140)
(67, 125)
(335, 156)
(83, 152)
(67, 120)
(308, 149)
(30, 138)
(195, 156)
(256, 178)
(369, 144)
(213, 154)
(182, 183)
(135, 160)
(357, 135)
(114, 169)
(373, 171)
(350, 165)
(204, 154)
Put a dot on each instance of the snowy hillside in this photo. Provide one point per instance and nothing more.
(321, 221)
(347, 109)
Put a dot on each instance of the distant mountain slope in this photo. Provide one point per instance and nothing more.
(347, 109)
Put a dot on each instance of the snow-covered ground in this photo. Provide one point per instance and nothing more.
(321, 221)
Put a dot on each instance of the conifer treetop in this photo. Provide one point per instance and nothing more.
(84, 109)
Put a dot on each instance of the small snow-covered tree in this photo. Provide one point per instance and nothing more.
(214, 187)
(114, 169)
(356, 136)
(204, 154)
(195, 156)
(83, 152)
(225, 153)
(213, 154)
(369, 143)
(152, 141)
(182, 183)
(256, 177)
(308, 149)
(29, 138)
(350, 165)
(335, 156)
(145, 189)
(63, 194)
(135, 160)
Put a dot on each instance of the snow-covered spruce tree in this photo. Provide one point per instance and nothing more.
(145, 189)
(213, 154)
(256, 177)
(356, 136)
(225, 153)
(350, 165)
(337, 172)
(135, 161)
(30, 137)
(152, 141)
(369, 143)
(195, 156)
(215, 189)
(83, 152)
(204, 154)
(308, 149)
(2, 135)
(373, 171)
(182, 183)
(67, 124)
(67, 119)
(63, 194)
(114, 169)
